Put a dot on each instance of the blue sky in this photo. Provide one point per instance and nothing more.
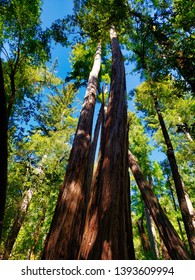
(51, 11)
(54, 9)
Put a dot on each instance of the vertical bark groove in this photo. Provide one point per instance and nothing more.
(64, 238)
(109, 235)
(143, 235)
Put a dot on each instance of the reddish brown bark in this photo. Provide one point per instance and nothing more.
(165, 254)
(109, 233)
(173, 243)
(143, 235)
(93, 148)
(64, 238)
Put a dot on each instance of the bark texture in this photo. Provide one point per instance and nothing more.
(3, 148)
(171, 239)
(143, 235)
(186, 207)
(151, 226)
(165, 254)
(109, 232)
(93, 148)
(64, 238)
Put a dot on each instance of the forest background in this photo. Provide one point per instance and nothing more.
(44, 73)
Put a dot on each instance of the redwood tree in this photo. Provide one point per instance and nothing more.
(108, 232)
(64, 238)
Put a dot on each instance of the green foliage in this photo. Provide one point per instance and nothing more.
(159, 41)
(81, 62)
(38, 162)
(139, 142)
(159, 38)
(96, 17)
(184, 11)
(22, 37)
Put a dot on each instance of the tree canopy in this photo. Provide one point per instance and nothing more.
(78, 184)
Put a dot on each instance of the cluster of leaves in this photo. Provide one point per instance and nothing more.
(159, 42)
(19, 36)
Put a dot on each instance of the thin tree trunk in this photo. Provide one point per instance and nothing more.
(64, 238)
(33, 254)
(188, 136)
(110, 233)
(176, 209)
(165, 254)
(3, 148)
(186, 207)
(93, 148)
(143, 236)
(17, 224)
(13, 93)
(183, 127)
(167, 232)
(151, 233)
(151, 227)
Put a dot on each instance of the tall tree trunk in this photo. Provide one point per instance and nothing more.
(17, 224)
(176, 209)
(167, 232)
(92, 151)
(13, 93)
(3, 148)
(91, 223)
(186, 207)
(151, 227)
(64, 238)
(151, 234)
(165, 254)
(109, 235)
(143, 236)
(33, 254)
